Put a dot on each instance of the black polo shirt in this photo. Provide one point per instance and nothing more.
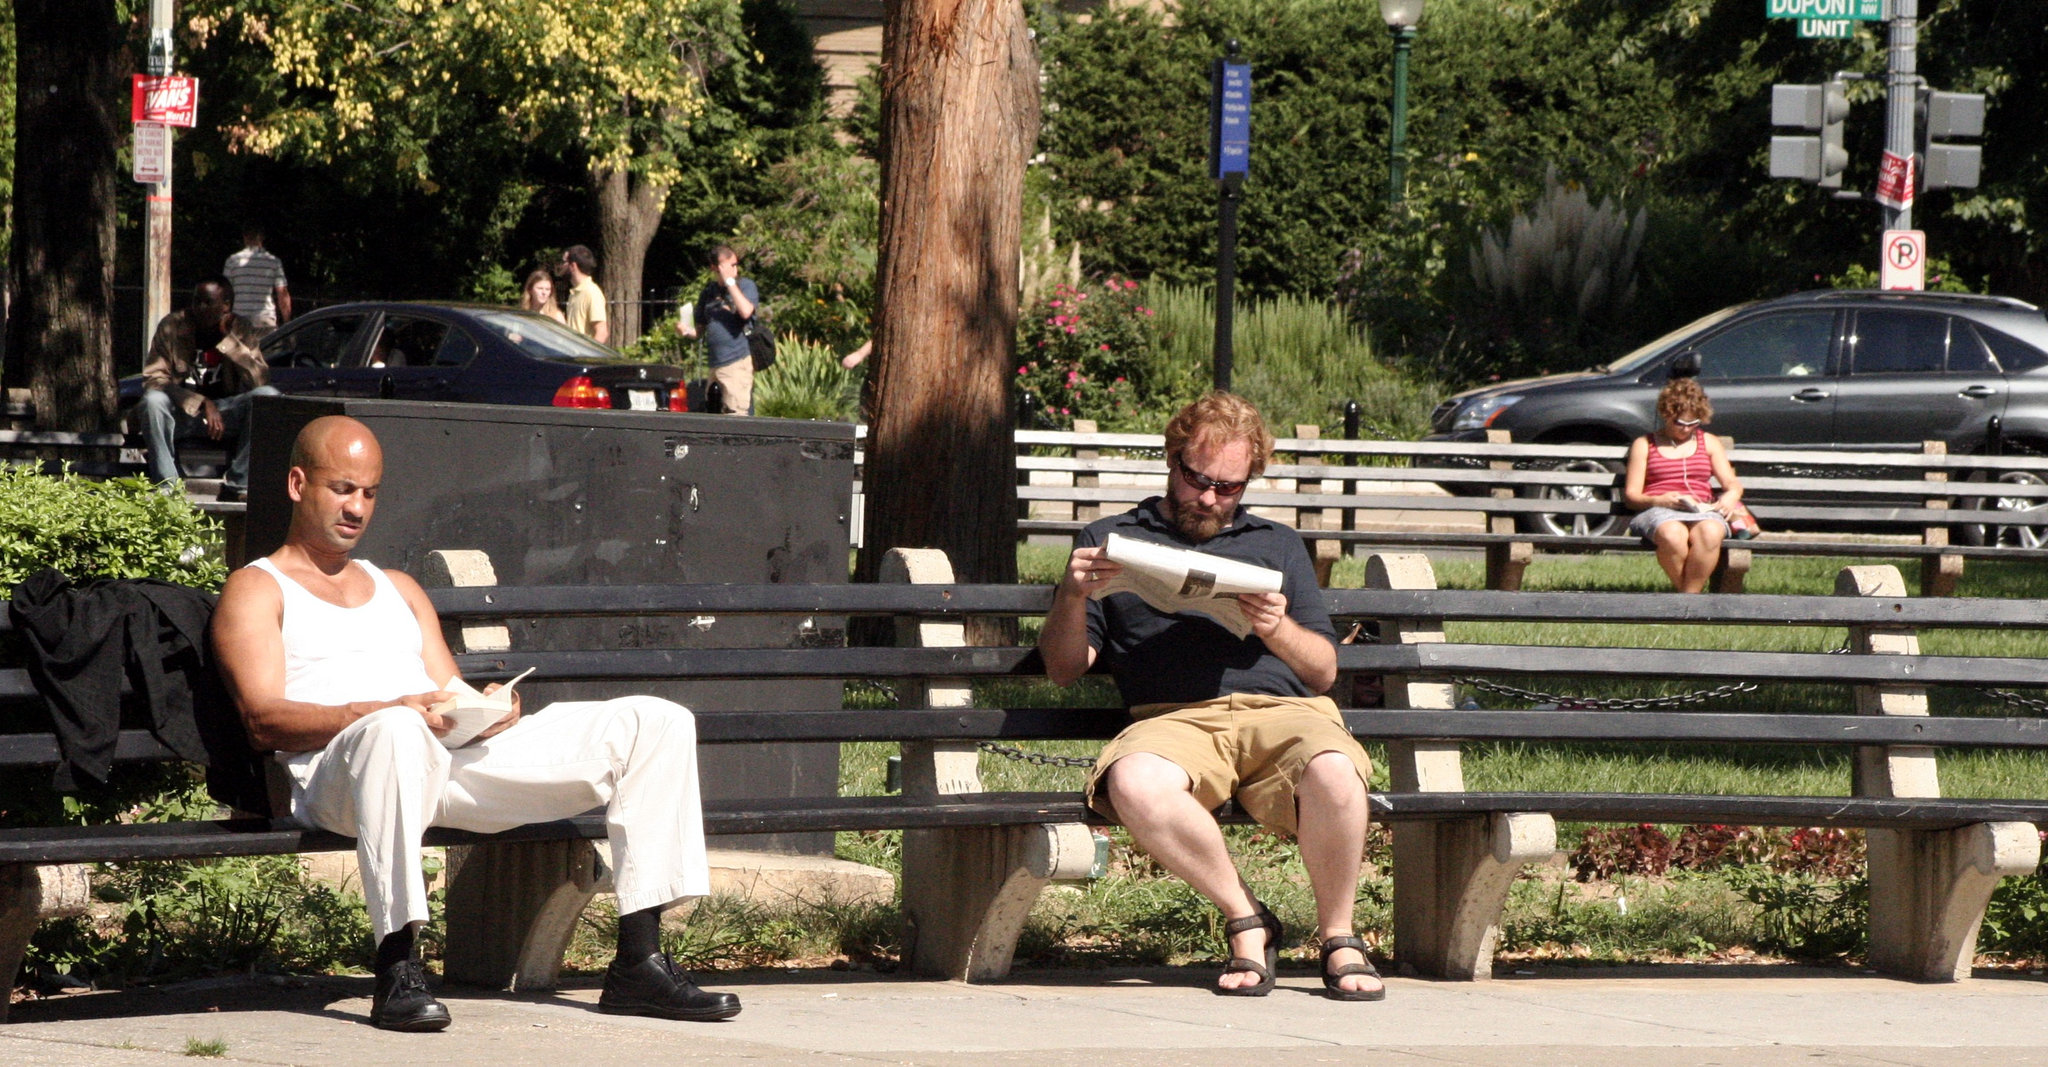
(1159, 658)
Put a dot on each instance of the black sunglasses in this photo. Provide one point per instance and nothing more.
(1202, 481)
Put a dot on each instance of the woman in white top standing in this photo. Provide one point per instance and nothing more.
(1670, 482)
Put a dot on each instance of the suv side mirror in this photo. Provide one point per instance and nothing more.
(1685, 365)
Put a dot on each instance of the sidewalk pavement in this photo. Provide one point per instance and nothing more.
(1599, 1017)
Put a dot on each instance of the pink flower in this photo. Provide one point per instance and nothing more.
(1064, 411)
(1070, 329)
(1055, 303)
(1104, 348)
(1021, 370)
(1119, 380)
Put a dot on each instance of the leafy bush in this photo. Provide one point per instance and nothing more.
(806, 382)
(1087, 352)
(124, 528)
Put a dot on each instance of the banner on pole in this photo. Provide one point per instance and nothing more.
(1896, 180)
(172, 100)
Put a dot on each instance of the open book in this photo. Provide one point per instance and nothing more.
(1177, 580)
(469, 712)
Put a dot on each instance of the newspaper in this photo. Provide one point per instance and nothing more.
(1179, 580)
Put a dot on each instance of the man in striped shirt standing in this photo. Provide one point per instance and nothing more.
(262, 300)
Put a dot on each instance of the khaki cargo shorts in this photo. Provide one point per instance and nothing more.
(1250, 746)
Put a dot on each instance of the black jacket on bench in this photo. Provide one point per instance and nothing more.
(85, 639)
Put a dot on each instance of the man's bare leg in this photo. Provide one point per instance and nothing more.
(1153, 797)
(1330, 807)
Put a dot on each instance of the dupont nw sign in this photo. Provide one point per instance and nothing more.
(172, 100)
(1905, 260)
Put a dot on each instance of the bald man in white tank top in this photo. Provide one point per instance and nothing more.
(335, 664)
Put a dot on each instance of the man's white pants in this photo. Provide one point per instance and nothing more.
(386, 778)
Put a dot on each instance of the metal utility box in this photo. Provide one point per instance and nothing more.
(586, 497)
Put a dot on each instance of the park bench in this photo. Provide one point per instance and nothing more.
(974, 861)
(1498, 489)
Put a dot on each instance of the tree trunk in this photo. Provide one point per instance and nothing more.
(628, 210)
(959, 119)
(70, 79)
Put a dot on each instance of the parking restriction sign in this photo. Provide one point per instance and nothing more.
(1905, 260)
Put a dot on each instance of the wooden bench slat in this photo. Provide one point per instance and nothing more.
(1811, 667)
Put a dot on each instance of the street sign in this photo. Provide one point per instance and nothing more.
(172, 100)
(1230, 138)
(1905, 260)
(152, 152)
(1840, 28)
(1854, 10)
(1895, 181)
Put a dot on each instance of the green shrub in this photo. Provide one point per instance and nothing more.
(124, 528)
(806, 382)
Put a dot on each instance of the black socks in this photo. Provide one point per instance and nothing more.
(639, 935)
(395, 948)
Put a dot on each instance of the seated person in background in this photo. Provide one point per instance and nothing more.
(1221, 716)
(203, 367)
(1669, 480)
(334, 665)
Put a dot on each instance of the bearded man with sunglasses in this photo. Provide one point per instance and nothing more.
(1218, 716)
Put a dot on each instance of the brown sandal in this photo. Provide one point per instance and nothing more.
(1333, 981)
(1239, 965)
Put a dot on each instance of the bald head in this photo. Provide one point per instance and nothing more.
(333, 440)
(336, 468)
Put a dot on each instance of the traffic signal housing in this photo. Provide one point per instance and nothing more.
(1821, 157)
(1946, 115)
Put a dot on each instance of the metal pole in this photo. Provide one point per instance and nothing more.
(1397, 144)
(1903, 91)
(156, 254)
(1226, 280)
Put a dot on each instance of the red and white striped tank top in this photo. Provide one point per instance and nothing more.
(1692, 475)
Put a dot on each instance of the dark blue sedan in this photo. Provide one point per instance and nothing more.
(468, 353)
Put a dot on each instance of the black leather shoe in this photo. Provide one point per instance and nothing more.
(655, 987)
(403, 1003)
(229, 494)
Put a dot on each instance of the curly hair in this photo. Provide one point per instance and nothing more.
(1684, 399)
(1220, 417)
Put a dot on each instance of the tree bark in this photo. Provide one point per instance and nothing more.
(71, 56)
(628, 211)
(959, 119)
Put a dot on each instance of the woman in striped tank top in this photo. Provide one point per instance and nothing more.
(1671, 476)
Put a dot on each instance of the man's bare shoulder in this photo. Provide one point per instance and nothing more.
(250, 586)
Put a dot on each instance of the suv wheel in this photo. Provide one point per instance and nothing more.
(1575, 525)
(2009, 536)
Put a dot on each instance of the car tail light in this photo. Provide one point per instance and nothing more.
(679, 398)
(581, 392)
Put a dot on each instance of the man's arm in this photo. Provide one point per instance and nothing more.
(1063, 642)
(164, 370)
(1307, 653)
(248, 645)
(283, 296)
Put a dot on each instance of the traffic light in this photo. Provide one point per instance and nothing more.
(1821, 158)
(1943, 115)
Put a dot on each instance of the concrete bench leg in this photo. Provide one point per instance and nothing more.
(28, 895)
(1505, 564)
(1928, 890)
(512, 909)
(1732, 573)
(1451, 879)
(1939, 575)
(967, 893)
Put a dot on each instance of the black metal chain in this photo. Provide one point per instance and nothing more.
(1040, 758)
(1572, 703)
(2017, 700)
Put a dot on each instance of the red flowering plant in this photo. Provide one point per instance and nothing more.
(1084, 351)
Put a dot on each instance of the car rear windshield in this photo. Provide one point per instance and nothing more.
(543, 338)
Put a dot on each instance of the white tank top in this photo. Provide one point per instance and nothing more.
(335, 655)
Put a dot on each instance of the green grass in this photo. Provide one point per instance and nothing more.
(213, 1049)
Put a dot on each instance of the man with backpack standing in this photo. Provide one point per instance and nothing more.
(726, 308)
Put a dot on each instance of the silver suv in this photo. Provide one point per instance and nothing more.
(1835, 369)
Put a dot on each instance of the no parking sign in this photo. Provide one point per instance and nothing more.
(1904, 253)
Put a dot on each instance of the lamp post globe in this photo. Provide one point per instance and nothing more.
(1401, 17)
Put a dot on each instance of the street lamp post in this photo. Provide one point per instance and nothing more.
(1401, 16)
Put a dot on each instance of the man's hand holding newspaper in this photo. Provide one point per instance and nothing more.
(1240, 597)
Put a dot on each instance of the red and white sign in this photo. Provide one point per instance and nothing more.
(1895, 181)
(172, 100)
(1905, 260)
(152, 152)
